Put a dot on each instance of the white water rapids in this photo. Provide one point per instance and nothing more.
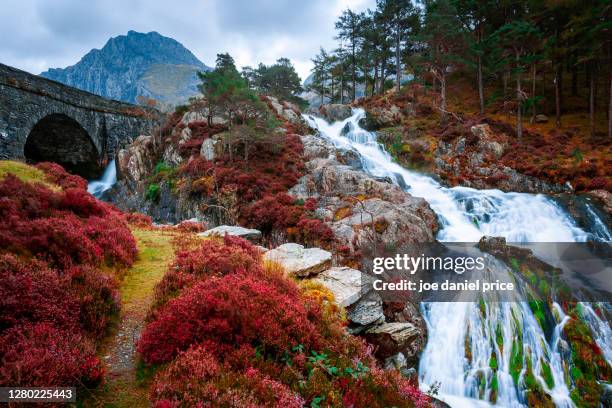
(466, 215)
(109, 178)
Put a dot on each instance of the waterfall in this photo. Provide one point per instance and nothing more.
(109, 178)
(501, 331)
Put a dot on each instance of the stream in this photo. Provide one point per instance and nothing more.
(456, 329)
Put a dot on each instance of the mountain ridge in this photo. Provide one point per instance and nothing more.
(136, 64)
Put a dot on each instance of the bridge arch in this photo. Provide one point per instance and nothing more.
(59, 138)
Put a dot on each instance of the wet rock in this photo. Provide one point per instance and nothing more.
(234, 230)
(604, 198)
(349, 157)
(300, 261)
(391, 338)
(348, 285)
(335, 112)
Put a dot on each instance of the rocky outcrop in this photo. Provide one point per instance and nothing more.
(136, 162)
(359, 208)
(335, 112)
(474, 162)
(285, 110)
(252, 235)
(299, 261)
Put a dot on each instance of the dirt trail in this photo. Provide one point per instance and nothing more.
(123, 388)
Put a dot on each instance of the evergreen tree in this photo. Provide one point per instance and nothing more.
(348, 27)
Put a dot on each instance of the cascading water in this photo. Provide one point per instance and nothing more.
(109, 178)
(472, 347)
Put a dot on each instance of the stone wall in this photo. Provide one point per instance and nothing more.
(26, 99)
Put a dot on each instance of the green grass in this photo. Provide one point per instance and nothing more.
(24, 172)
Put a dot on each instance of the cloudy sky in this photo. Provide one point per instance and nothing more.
(41, 34)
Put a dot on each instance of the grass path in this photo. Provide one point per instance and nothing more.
(123, 388)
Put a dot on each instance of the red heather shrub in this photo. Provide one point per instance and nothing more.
(56, 174)
(82, 204)
(274, 212)
(227, 312)
(190, 226)
(213, 257)
(31, 292)
(312, 231)
(196, 376)
(66, 227)
(138, 220)
(98, 298)
(41, 355)
(244, 336)
(219, 257)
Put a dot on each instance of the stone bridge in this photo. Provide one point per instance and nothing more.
(44, 120)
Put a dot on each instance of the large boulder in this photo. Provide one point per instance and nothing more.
(358, 207)
(212, 148)
(234, 230)
(380, 117)
(135, 162)
(335, 112)
(487, 143)
(348, 285)
(299, 261)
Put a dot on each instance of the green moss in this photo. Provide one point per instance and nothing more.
(516, 360)
(543, 288)
(530, 381)
(493, 362)
(537, 307)
(547, 374)
(494, 389)
(483, 307)
(499, 336)
(153, 192)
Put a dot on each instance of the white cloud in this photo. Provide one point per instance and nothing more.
(41, 34)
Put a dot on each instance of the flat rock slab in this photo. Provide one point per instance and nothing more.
(348, 285)
(246, 233)
(391, 338)
(300, 261)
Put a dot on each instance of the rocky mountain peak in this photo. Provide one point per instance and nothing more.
(147, 64)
